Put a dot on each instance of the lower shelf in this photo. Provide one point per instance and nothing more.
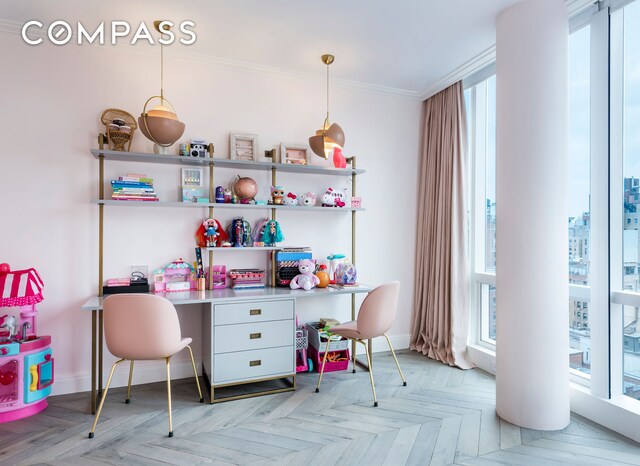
(249, 389)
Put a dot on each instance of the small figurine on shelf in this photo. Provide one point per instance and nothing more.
(240, 233)
(332, 198)
(277, 195)
(305, 279)
(272, 233)
(227, 196)
(219, 195)
(258, 231)
(308, 199)
(339, 160)
(290, 199)
(210, 234)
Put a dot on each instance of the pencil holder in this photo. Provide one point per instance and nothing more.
(201, 284)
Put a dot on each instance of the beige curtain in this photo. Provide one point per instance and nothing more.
(440, 314)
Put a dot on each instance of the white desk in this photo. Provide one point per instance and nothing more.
(213, 298)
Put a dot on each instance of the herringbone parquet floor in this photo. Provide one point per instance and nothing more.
(444, 416)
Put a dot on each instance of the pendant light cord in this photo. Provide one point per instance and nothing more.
(161, 73)
(327, 93)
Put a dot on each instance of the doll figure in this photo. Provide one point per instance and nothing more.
(272, 233)
(240, 232)
(211, 232)
(219, 195)
(277, 195)
(258, 231)
(227, 195)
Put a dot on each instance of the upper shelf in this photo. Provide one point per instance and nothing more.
(224, 163)
(224, 206)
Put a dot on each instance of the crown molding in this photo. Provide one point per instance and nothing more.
(14, 27)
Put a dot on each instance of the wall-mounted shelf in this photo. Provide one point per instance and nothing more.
(248, 248)
(112, 202)
(221, 163)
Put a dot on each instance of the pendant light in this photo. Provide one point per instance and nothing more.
(329, 136)
(161, 124)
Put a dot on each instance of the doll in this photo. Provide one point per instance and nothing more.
(210, 234)
(272, 233)
(239, 232)
(277, 195)
(258, 231)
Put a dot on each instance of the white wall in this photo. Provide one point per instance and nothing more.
(52, 98)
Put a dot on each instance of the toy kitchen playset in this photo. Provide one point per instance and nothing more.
(26, 362)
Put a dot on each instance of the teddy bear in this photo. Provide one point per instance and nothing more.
(308, 199)
(306, 279)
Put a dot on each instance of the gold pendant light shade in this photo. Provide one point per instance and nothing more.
(329, 136)
(160, 124)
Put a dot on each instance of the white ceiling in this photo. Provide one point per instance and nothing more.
(401, 45)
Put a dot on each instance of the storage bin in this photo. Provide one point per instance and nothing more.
(342, 365)
(315, 340)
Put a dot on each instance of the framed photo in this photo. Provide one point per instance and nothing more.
(192, 177)
(243, 147)
(294, 154)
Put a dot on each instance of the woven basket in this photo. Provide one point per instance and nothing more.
(118, 139)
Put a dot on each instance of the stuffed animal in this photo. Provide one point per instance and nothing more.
(290, 199)
(308, 199)
(272, 233)
(306, 279)
(332, 198)
(210, 234)
(277, 195)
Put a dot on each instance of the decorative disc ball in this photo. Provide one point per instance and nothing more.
(245, 188)
(4, 268)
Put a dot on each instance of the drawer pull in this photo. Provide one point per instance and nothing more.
(257, 362)
(255, 312)
(255, 336)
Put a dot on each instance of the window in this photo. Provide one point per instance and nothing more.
(579, 190)
(480, 98)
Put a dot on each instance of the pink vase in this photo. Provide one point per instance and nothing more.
(339, 160)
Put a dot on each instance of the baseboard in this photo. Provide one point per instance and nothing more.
(144, 372)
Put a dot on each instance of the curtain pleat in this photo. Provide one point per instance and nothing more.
(440, 319)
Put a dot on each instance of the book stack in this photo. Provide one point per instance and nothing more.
(242, 279)
(133, 187)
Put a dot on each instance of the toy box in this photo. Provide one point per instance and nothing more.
(318, 340)
(336, 360)
(286, 264)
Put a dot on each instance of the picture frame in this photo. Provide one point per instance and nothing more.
(294, 154)
(243, 147)
(192, 177)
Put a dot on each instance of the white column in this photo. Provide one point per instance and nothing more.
(532, 362)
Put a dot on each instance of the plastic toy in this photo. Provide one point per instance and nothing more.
(308, 199)
(218, 277)
(210, 234)
(339, 160)
(26, 362)
(178, 276)
(332, 198)
(239, 233)
(323, 276)
(228, 197)
(290, 199)
(306, 279)
(244, 189)
(346, 274)
(333, 262)
(219, 195)
(272, 233)
(258, 231)
(277, 195)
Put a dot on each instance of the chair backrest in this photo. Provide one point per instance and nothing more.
(141, 326)
(378, 310)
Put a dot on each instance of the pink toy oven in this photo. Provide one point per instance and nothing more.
(26, 360)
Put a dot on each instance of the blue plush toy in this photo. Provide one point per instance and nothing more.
(272, 233)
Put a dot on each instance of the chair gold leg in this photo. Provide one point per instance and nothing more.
(393, 353)
(128, 399)
(324, 360)
(169, 394)
(373, 387)
(195, 373)
(104, 396)
(353, 350)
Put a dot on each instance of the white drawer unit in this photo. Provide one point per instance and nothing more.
(246, 312)
(243, 337)
(253, 365)
(250, 341)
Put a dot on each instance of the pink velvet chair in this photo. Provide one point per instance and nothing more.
(142, 327)
(376, 316)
